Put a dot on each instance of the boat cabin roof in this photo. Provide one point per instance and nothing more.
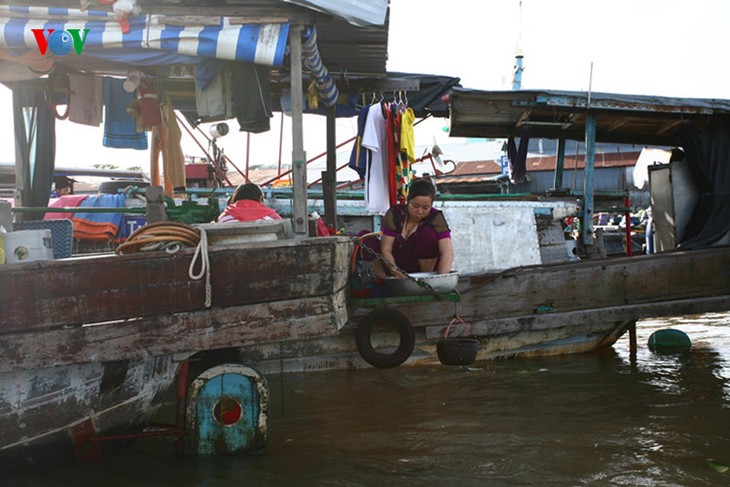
(638, 119)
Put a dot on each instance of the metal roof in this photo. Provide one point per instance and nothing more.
(620, 118)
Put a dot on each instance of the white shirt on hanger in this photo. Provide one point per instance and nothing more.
(374, 138)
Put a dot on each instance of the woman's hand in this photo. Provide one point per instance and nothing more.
(386, 250)
(446, 260)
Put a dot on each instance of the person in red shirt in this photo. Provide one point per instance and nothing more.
(247, 204)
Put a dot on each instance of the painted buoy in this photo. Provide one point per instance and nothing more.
(669, 340)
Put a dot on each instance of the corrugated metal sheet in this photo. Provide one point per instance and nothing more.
(361, 13)
(621, 118)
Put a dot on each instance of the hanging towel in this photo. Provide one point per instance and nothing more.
(85, 101)
(120, 128)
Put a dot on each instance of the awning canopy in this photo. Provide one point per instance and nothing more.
(647, 120)
(215, 38)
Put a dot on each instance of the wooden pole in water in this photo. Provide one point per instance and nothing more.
(632, 343)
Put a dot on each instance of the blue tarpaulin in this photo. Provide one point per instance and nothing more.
(263, 44)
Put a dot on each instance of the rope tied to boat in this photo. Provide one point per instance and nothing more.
(173, 237)
(201, 251)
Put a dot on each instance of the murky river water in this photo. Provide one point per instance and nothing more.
(594, 419)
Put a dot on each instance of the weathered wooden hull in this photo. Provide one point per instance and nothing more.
(66, 325)
(534, 310)
(55, 411)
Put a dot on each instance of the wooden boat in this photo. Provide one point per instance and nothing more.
(554, 308)
(89, 344)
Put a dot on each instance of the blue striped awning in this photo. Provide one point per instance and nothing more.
(254, 43)
(326, 87)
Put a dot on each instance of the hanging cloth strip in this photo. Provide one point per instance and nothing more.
(328, 91)
(359, 157)
(518, 156)
(393, 131)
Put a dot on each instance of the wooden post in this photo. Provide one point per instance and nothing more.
(632, 343)
(329, 177)
(587, 213)
(299, 157)
(155, 204)
(559, 164)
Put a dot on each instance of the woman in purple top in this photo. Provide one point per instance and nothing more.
(416, 237)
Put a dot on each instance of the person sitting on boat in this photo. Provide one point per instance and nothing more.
(415, 236)
(63, 185)
(247, 204)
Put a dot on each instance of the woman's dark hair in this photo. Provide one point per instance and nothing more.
(421, 187)
(248, 191)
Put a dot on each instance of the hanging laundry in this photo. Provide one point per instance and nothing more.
(166, 140)
(376, 179)
(518, 157)
(149, 104)
(214, 99)
(392, 132)
(407, 137)
(85, 102)
(406, 153)
(359, 157)
(120, 128)
(252, 97)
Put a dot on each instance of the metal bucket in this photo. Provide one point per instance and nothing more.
(458, 350)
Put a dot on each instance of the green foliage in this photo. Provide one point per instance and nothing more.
(105, 166)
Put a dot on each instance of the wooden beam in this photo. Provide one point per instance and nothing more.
(523, 116)
(85, 290)
(195, 331)
(329, 177)
(668, 126)
(299, 156)
(618, 123)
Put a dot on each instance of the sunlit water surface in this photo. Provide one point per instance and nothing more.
(592, 419)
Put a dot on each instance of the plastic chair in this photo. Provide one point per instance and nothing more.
(62, 234)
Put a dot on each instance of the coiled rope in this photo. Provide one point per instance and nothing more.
(172, 237)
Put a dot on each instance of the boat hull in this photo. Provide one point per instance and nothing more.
(54, 412)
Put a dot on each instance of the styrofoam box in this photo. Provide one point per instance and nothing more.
(27, 245)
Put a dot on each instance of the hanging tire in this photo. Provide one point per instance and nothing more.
(393, 320)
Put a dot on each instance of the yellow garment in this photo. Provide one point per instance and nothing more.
(312, 96)
(407, 139)
(166, 139)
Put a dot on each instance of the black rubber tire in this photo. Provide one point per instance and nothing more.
(392, 319)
